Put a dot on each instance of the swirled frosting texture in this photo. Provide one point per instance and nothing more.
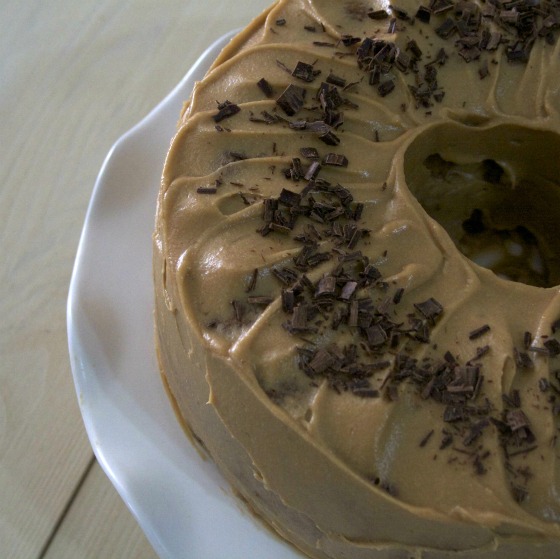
(323, 324)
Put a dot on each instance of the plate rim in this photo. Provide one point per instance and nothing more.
(75, 319)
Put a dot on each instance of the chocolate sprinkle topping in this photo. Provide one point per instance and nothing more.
(386, 87)
(348, 291)
(291, 100)
(478, 332)
(423, 14)
(426, 438)
(265, 87)
(336, 80)
(378, 14)
(553, 347)
(206, 190)
(305, 72)
(310, 153)
(430, 308)
(522, 359)
(225, 110)
(253, 281)
(398, 295)
(335, 160)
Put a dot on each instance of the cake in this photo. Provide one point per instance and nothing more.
(356, 275)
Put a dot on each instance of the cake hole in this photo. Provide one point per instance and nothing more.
(496, 191)
(469, 119)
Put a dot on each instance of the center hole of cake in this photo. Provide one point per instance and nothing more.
(500, 204)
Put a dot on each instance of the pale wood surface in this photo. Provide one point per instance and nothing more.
(105, 531)
(74, 76)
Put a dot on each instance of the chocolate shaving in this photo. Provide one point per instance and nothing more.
(400, 13)
(480, 352)
(238, 310)
(329, 97)
(402, 61)
(336, 80)
(285, 275)
(398, 295)
(309, 153)
(299, 319)
(305, 72)
(414, 49)
(378, 14)
(513, 400)
(376, 335)
(516, 419)
(291, 100)
(454, 413)
(225, 110)
(365, 392)
(522, 359)
(476, 431)
(423, 14)
(253, 281)
(336, 160)
(326, 287)
(349, 40)
(279, 228)
(430, 309)
(312, 171)
(265, 87)
(354, 313)
(519, 493)
(348, 290)
(317, 258)
(483, 71)
(478, 332)
(544, 385)
(289, 198)
(356, 236)
(440, 6)
(330, 138)
(386, 87)
(267, 118)
(426, 438)
(446, 441)
(447, 28)
(288, 300)
(553, 347)
(206, 190)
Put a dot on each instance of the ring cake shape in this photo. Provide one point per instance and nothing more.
(356, 275)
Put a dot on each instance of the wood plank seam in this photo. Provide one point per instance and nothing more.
(68, 506)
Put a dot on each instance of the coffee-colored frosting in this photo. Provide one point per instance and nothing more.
(454, 257)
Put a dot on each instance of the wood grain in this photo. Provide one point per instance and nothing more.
(75, 76)
(108, 530)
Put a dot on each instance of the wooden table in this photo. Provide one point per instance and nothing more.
(74, 77)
